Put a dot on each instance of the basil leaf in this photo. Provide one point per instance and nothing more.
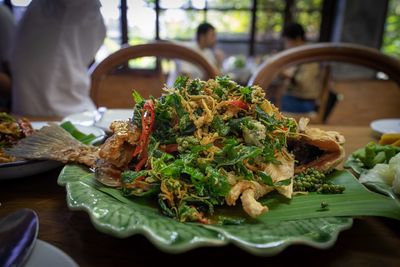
(266, 179)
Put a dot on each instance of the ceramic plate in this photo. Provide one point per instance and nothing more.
(386, 126)
(45, 254)
(114, 214)
(23, 168)
(88, 118)
(113, 115)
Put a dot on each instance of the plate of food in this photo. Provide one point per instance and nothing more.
(13, 130)
(377, 165)
(209, 164)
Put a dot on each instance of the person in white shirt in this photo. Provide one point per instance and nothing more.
(55, 43)
(206, 39)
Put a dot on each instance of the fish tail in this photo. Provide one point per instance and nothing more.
(54, 143)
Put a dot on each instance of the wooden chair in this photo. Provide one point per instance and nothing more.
(113, 89)
(322, 52)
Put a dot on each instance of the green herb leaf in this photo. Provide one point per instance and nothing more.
(195, 87)
(246, 93)
(232, 154)
(220, 126)
(137, 97)
(181, 82)
(266, 179)
(217, 183)
(83, 138)
(285, 182)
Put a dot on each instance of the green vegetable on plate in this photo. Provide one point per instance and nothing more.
(78, 135)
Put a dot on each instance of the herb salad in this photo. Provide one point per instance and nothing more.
(199, 139)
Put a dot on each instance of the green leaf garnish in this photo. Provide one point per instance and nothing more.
(78, 135)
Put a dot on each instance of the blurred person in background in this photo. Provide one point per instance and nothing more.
(206, 40)
(55, 43)
(304, 81)
(7, 30)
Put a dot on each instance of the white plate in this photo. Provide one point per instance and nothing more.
(23, 168)
(386, 126)
(113, 115)
(45, 254)
(82, 118)
(88, 118)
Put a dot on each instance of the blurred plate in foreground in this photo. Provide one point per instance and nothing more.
(45, 254)
(386, 126)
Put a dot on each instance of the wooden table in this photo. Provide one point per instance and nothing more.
(371, 241)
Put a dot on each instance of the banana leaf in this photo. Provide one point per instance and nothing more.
(313, 219)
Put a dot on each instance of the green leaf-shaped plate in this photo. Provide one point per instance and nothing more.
(297, 221)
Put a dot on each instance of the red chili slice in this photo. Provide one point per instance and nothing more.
(169, 148)
(141, 163)
(148, 116)
(239, 103)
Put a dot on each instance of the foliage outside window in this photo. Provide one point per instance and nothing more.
(179, 24)
(111, 17)
(391, 37)
(308, 14)
(230, 24)
(270, 19)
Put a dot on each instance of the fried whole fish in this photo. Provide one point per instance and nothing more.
(312, 147)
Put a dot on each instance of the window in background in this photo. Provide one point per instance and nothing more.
(232, 24)
(141, 20)
(270, 18)
(308, 14)
(232, 19)
(232, 4)
(391, 36)
(244, 26)
(112, 17)
(179, 18)
(179, 24)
